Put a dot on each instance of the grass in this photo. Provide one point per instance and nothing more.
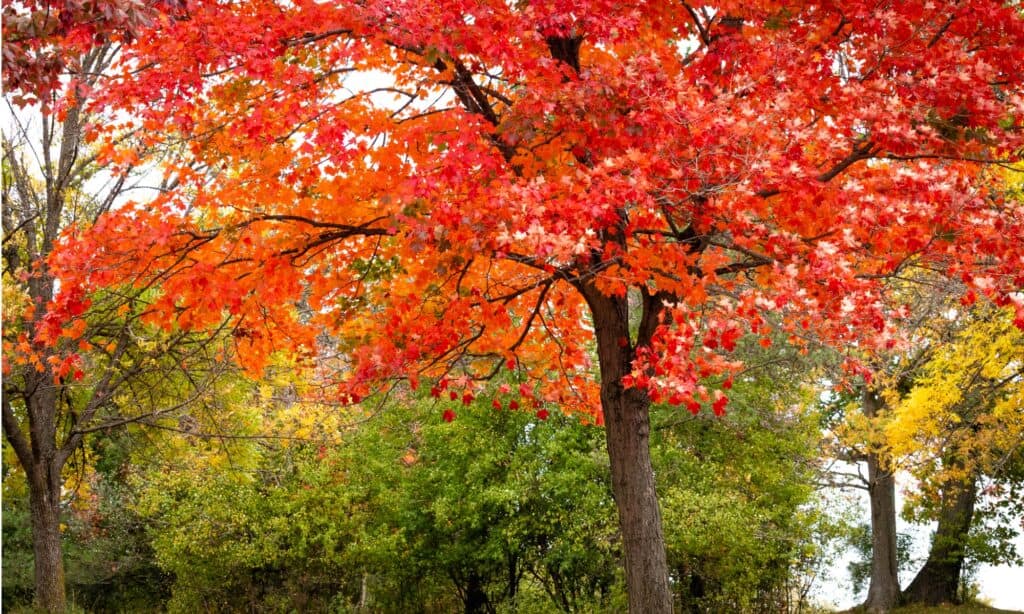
(970, 608)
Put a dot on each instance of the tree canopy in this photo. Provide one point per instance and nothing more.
(601, 197)
(479, 173)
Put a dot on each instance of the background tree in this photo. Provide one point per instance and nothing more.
(552, 177)
(892, 432)
(961, 429)
(436, 505)
(405, 512)
(744, 524)
(860, 414)
(76, 362)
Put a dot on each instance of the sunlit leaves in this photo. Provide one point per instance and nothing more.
(433, 186)
(966, 404)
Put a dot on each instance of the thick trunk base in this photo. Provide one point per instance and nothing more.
(938, 581)
(934, 585)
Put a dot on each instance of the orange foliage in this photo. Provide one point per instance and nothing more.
(438, 185)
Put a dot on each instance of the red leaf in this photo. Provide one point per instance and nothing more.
(719, 405)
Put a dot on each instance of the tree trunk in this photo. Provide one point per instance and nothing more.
(939, 579)
(884, 589)
(627, 427)
(697, 592)
(44, 496)
(363, 593)
(43, 463)
(476, 599)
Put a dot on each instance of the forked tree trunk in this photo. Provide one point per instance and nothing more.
(884, 588)
(627, 427)
(939, 580)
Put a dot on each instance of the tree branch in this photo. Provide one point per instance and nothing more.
(16, 437)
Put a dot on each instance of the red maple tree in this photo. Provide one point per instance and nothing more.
(453, 189)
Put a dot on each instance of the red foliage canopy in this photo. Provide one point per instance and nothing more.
(447, 187)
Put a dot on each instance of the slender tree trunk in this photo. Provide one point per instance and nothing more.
(363, 593)
(884, 589)
(43, 462)
(34, 435)
(627, 427)
(44, 496)
(939, 579)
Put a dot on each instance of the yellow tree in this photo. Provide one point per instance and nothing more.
(925, 299)
(961, 423)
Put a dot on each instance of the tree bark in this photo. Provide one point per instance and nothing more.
(627, 427)
(43, 463)
(884, 588)
(938, 581)
(45, 483)
(49, 563)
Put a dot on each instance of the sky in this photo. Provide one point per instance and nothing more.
(1000, 586)
(1004, 586)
